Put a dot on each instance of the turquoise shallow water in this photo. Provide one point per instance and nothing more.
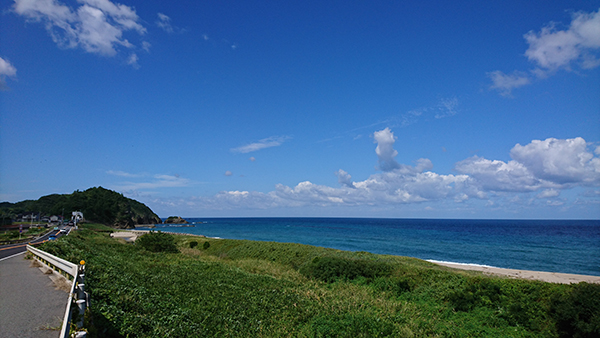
(568, 246)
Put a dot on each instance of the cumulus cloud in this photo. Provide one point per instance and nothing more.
(552, 49)
(545, 167)
(344, 178)
(273, 141)
(96, 26)
(539, 170)
(385, 151)
(563, 162)
(551, 163)
(6, 70)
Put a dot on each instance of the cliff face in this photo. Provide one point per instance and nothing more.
(98, 205)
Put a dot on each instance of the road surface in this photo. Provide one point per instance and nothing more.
(30, 305)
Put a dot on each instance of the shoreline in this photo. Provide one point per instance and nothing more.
(550, 277)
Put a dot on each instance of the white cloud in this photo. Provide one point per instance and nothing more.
(385, 151)
(122, 173)
(133, 60)
(273, 141)
(548, 193)
(552, 49)
(96, 26)
(497, 175)
(151, 181)
(505, 83)
(6, 70)
(544, 168)
(560, 161)
(228, 173)
(551, 163)
(344, 178)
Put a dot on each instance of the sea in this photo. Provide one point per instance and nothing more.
(566, 246)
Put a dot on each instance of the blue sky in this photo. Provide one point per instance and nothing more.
(469, 109)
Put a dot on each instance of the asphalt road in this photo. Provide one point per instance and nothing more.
(12, 249)
(30, 305)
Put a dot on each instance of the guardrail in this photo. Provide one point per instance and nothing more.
(77, 294)
(23, 240)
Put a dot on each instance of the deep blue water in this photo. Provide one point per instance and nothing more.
(569, 246)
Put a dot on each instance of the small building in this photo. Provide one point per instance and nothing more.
(55, 220)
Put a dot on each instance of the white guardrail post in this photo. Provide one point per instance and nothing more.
(77, 272)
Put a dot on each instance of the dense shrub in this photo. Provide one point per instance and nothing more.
(206, 245)
(193, 244)
(157, 242)
(577, 313)
(351, 326)
(329, 269)
(477, 292)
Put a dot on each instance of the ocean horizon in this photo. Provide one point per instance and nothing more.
(564, 246)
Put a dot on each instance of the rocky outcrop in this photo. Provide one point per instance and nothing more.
(175, 220)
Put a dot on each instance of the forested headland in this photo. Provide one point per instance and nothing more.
(97, 204)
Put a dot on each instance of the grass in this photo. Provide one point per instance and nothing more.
(234, 288)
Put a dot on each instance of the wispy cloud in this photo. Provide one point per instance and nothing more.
(273, 141)
(164, 22)
(552, 49)
(96, 26)
(446, 107)
(147, 181)
(122, 173)
(6, 70)
(505, 83)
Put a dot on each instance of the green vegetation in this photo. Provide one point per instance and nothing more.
(157, 242)
(236, 288)
(97, 205)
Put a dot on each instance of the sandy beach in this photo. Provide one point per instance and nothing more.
(551, 277)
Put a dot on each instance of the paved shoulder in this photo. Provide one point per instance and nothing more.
(30, 304)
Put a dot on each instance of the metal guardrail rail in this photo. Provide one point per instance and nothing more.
(23, 240)
(77, 294)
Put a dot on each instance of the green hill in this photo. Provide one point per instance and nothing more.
(97, 205)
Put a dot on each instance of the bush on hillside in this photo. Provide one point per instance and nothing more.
(330, 269)
(577, 313)
(157, 242)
